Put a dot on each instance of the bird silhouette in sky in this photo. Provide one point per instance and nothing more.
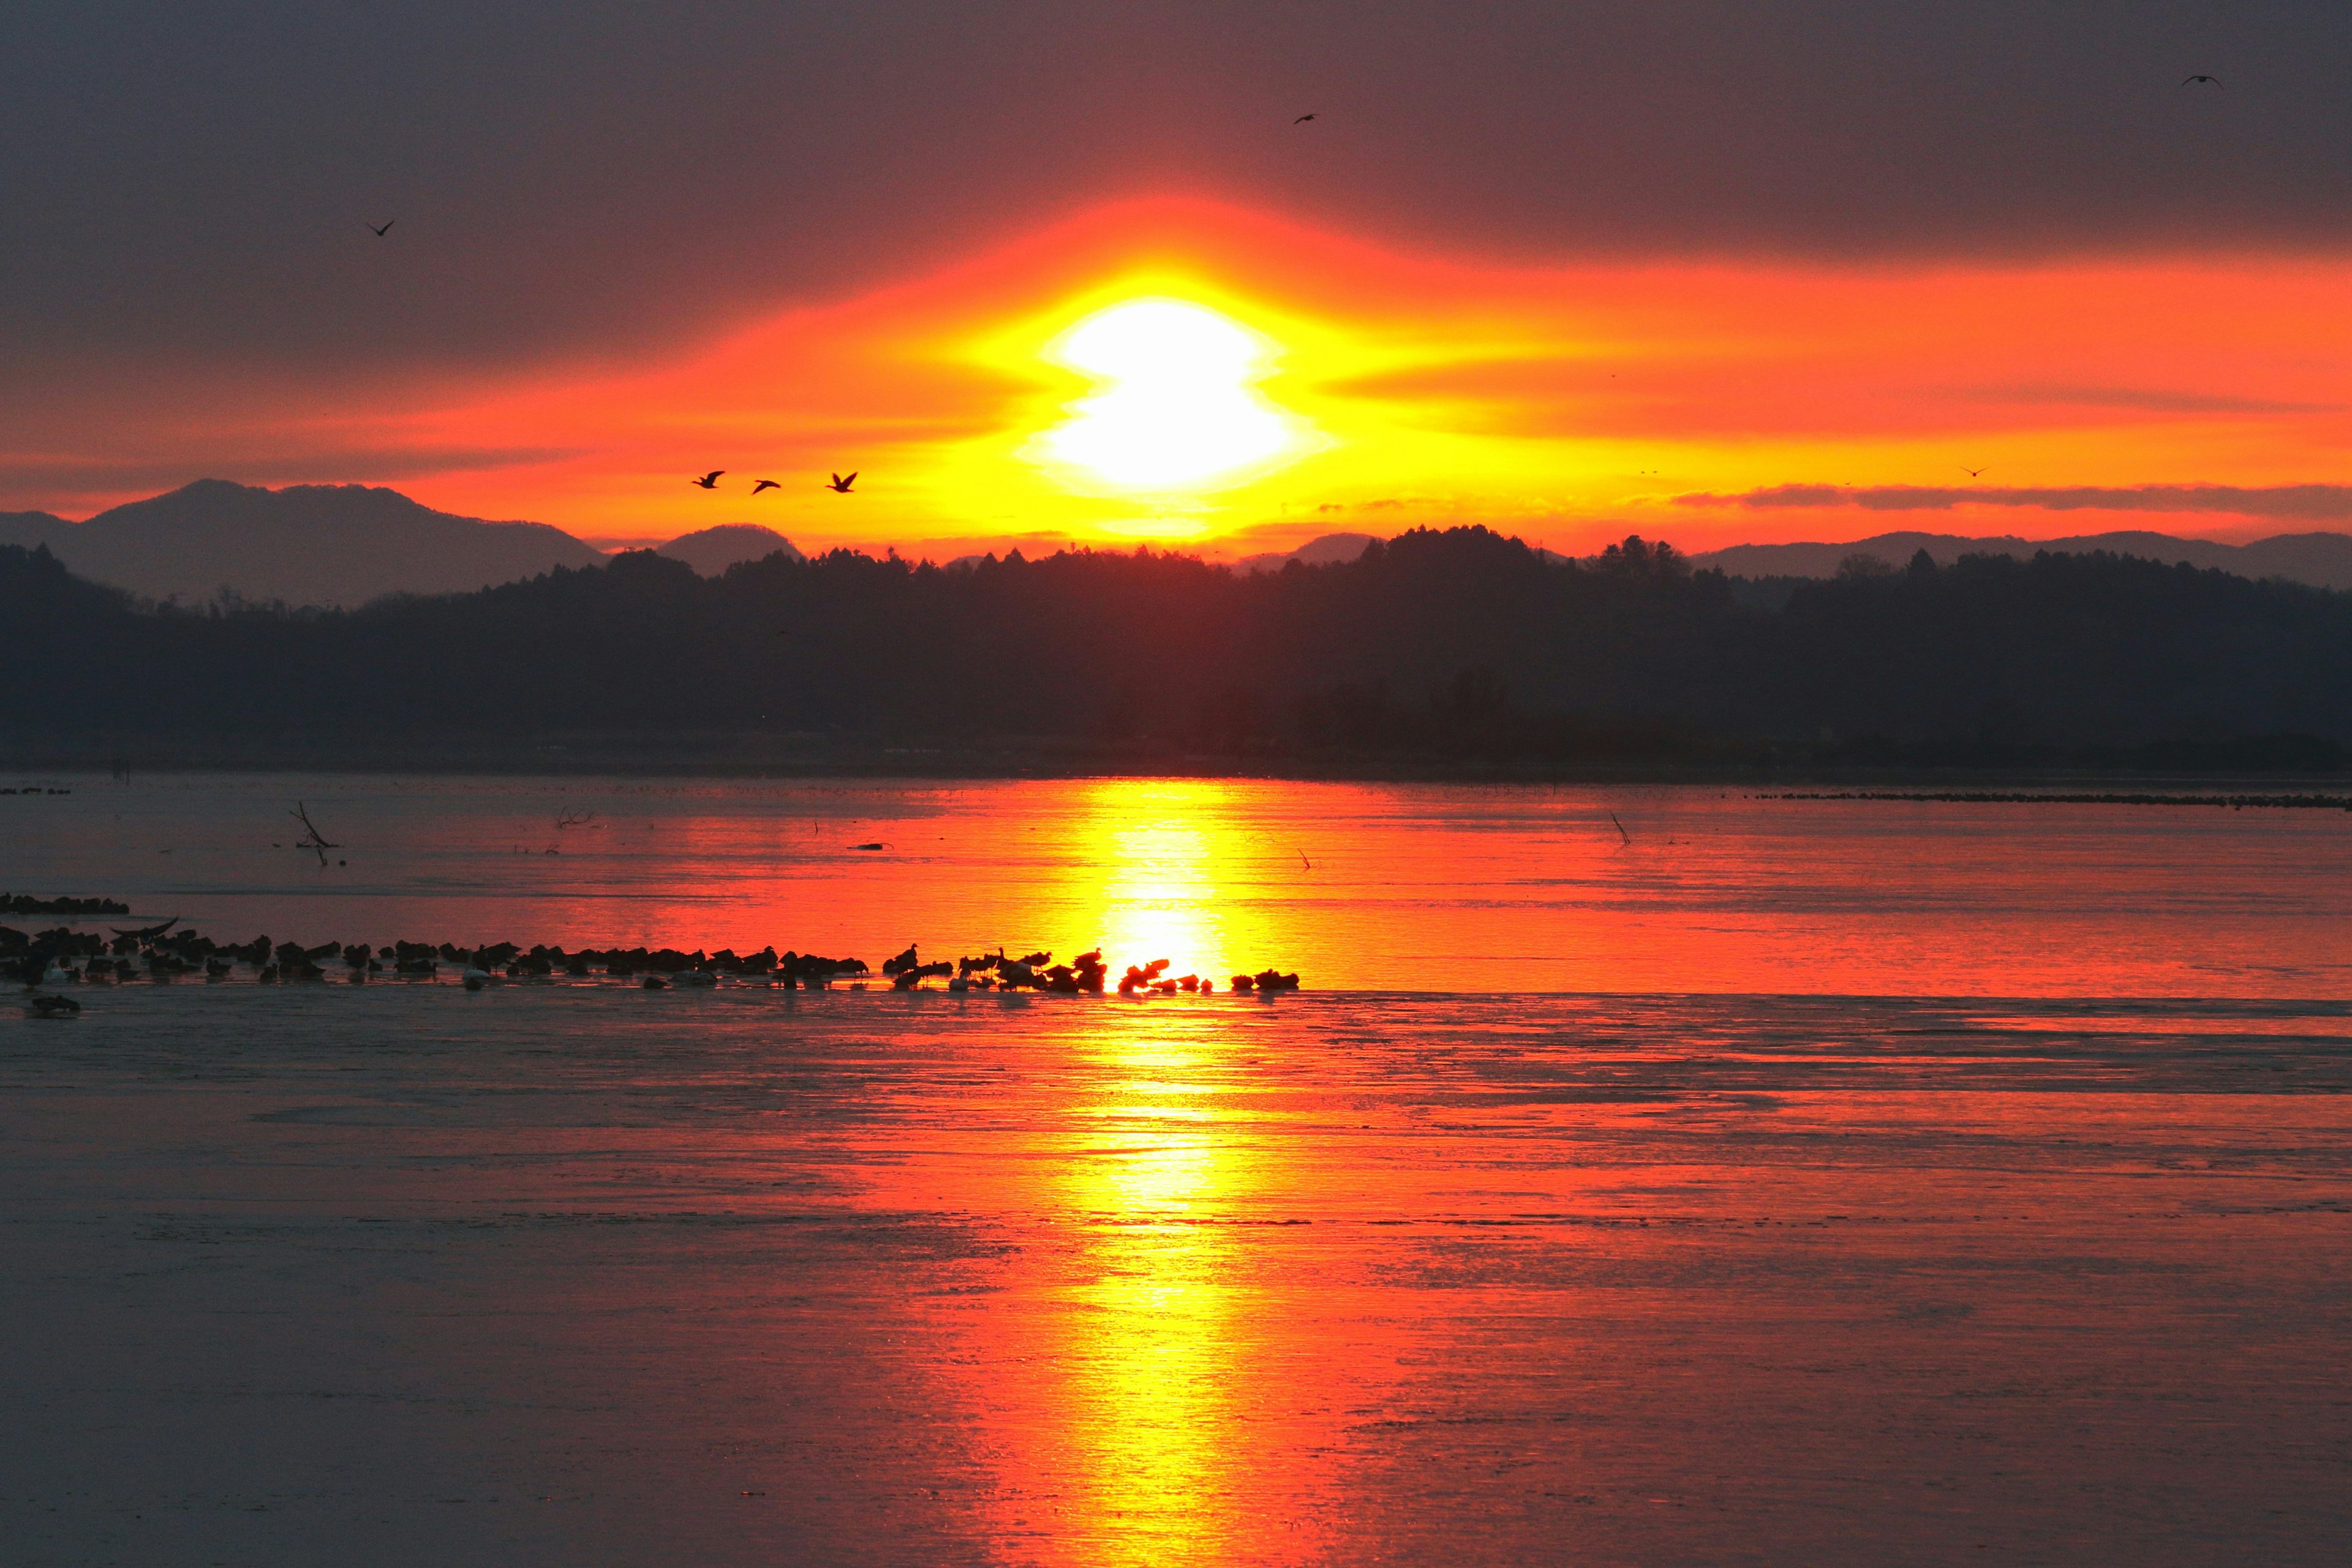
(380, 233)
(1972, 473)
(841, 486)
(1302, 120)
(2189, 81)
(708, 481)
(766, 485)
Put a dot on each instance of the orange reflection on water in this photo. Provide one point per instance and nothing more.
(1165, 859)
(1356, 887)
(1155, 1445)
(1155, 1415)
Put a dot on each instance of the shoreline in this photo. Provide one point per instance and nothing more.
(786, 758)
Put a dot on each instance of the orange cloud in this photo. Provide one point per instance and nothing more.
(1570, 404)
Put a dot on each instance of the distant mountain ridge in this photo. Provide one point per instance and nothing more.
(342, 545)
(306, 544)
(31, 528)
(2322, 560)
(710, 551)
(1323, 551)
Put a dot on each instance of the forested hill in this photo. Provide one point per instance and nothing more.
(1456, 645)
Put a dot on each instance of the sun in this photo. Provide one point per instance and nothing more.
(1176, 406)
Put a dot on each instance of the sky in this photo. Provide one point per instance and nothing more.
(1709, 272)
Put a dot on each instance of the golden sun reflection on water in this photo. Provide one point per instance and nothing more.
(1159, 1428)
(1169, 858)
(1160, 1448)
(1162, 1416)
(1153, 1425)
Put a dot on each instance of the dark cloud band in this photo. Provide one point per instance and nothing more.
(2308, 502)
(205, 182)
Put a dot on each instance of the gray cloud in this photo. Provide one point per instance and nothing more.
(245, 463)
(2308, 502)
(2151, 400)
(189, 183)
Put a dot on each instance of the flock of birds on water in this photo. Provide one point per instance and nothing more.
(54, 960)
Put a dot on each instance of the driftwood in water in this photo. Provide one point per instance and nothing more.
(146, 933)
(311, 839)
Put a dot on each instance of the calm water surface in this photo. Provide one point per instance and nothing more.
(1799, 1183)
(1357, 887)
(587, 1275)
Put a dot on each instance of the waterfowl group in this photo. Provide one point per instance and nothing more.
(65, 957)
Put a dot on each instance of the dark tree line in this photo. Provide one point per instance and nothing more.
(1458, 645)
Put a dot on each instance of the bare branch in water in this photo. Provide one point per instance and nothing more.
(313, 839)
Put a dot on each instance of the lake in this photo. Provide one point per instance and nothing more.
(1356, 887)
(1773, 1181)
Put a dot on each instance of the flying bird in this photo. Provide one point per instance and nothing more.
(387, 225)
(766, 485)
(2187, 81)
(1972, 473)
(1302, 120)
(708, 481)
(840, 485)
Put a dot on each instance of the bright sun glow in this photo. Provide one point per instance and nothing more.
(1177, 406)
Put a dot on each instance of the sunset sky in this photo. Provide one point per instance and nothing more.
(1712, 273)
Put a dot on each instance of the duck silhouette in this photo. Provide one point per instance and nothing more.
(708, 481)
(841, 486)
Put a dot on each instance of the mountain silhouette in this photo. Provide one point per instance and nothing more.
(2321, 559)
(1324, 551)
(329, 545)
(31, 528)
(711, 551)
